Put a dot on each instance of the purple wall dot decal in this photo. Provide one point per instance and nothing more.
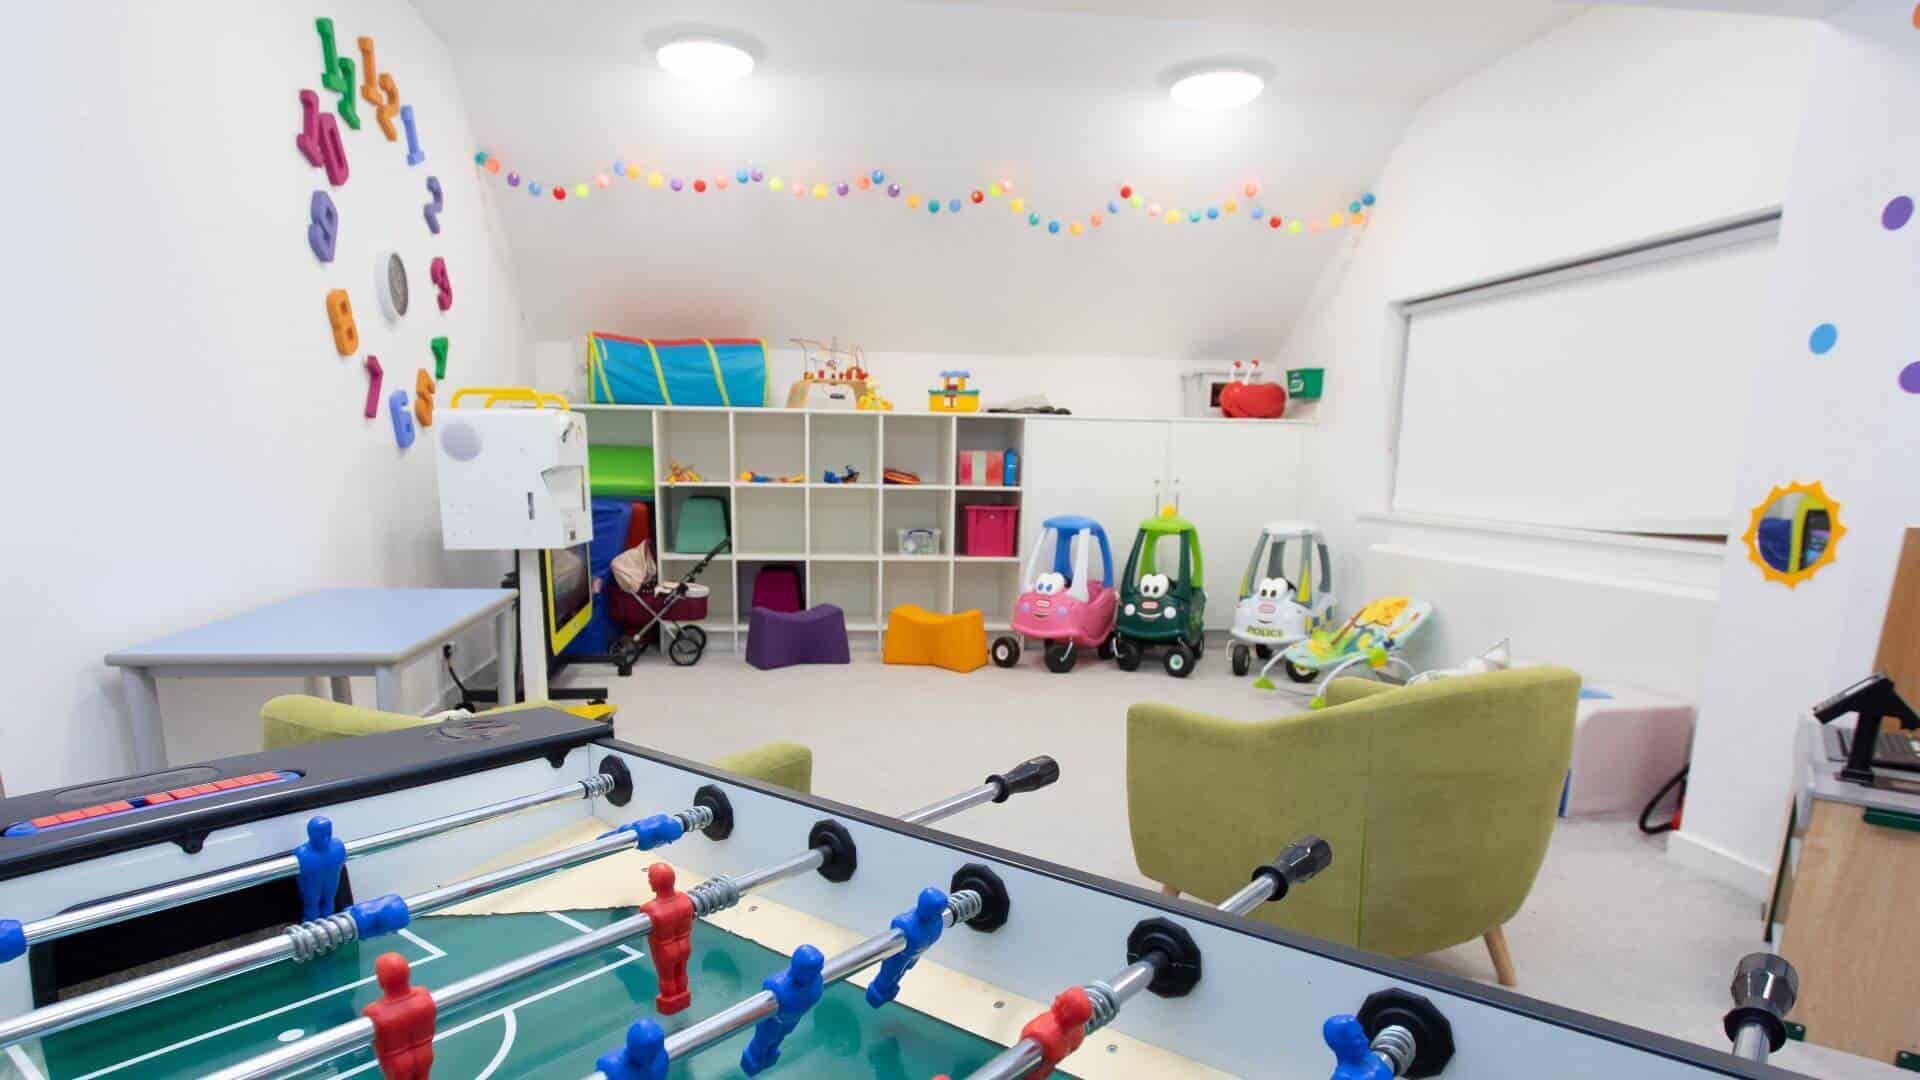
(1898, 212)
(1823, 338)
(1910, 378)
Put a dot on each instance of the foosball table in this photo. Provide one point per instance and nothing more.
(523, 895)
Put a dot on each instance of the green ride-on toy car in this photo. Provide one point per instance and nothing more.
(1158, 609)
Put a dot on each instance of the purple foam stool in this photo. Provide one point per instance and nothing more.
(777, 639)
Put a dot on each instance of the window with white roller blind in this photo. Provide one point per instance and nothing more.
(1608, 395)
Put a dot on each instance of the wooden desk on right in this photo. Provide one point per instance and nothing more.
(1848, 882)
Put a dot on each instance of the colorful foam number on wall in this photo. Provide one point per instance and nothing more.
(438, 204)
(323, 229)
(336, 72)
(319, 139)
(1794, 533)
(346, 333)
(437, 272)
(415, 155)
(379, 91)
(439, 347)
(403, 432)
(423, 398)
(374, 377)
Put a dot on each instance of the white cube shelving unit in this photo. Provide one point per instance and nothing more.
(844, 536)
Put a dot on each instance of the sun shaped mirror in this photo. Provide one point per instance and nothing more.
(1794, 532)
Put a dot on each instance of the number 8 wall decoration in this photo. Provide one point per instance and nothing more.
(320, 142)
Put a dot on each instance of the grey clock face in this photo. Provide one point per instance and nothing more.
(397, 284)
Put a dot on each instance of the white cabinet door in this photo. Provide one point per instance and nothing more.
(1113, 471)
(1230, 480)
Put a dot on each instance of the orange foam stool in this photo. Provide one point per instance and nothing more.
(956, 642)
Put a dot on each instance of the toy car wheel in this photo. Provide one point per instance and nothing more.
(1006, 651)
(1179, 660)
(1264, 652)
(1106, 648)
(684, 650)
(1126, 653)
(1298, 673)
(696, 634)
(1060, 656)
(1242, 659)
(1199, 644)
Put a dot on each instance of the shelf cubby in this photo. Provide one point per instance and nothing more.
(854, 586)
(772, 442)
(922, 445)
(844, 520)
(701, 441)
(837, 440)
(915, 508)
(989, 585)
(914, 582)
(768, 517)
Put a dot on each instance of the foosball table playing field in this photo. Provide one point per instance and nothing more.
(525, 896)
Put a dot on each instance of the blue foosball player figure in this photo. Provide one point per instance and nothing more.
(794, 991)
(644, 1057)
(922, 927)
(1353, 1054)
(321, 859)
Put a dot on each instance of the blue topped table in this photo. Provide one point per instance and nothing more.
(333, 633)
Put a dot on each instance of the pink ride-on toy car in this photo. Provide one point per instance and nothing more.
(1064, 607)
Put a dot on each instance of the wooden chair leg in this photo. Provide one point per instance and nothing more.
(1169, 890)
(1496, 939)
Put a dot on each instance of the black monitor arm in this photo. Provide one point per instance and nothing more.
(1874, 699)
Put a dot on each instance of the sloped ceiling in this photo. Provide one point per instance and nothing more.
(1065, 98)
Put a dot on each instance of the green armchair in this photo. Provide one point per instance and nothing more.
(1438, 799)
(295, 719)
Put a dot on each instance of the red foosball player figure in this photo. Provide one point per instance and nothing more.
(1059, 1030)
(402, 1021)
(670, 940)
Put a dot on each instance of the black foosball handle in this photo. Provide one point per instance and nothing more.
(1030, 775)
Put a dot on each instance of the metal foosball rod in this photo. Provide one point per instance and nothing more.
(959, 908)
(1104, 999)
(1765, 987)
(710, 896)
(370, 918)
(108, 912)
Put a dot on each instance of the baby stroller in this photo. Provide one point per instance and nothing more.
(655, 612)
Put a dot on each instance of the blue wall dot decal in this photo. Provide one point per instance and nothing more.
(1823, 338)
(1910, 378)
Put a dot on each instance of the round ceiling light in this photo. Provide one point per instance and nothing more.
(705, 59)
(1222, 88)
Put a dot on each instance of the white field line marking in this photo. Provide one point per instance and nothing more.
(28, 1070)
(522, 1003)
(434, 952)
(569, 920)
(506, 1044)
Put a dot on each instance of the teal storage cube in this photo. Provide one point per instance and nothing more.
(700, 524)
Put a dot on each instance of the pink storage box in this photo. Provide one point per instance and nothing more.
(991, 529)
(981, 467)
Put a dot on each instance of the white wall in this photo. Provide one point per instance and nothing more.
(185, 442)
(1621, 125)
(1069, 104)
(1088, 385)
(1840, 419)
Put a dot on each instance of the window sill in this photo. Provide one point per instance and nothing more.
(1705, 549)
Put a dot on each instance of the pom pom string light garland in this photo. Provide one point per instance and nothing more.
(1357, 211)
